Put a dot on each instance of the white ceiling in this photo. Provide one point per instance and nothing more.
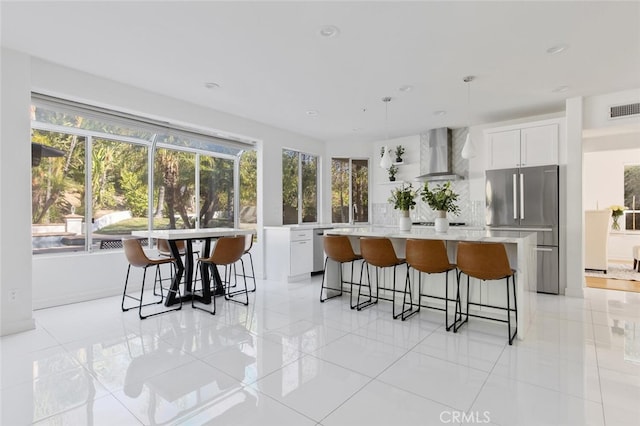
(272, 65)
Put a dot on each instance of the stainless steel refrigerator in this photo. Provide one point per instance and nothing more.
(527, 199)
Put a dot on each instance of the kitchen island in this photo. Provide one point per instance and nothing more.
(520, 248)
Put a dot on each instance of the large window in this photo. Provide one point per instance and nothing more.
(632, 197)
(248, 189)
(349, 190)
(91, 178)
(299, 187)
(216, 193)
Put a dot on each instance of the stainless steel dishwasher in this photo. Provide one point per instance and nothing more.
(318, 250)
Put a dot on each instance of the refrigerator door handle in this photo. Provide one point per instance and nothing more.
(543, 249)
(521, 196)
(515, 201)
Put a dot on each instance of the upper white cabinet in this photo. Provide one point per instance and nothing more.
(532, 144)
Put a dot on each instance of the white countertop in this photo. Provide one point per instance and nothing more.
(304, 226)
(427, 232)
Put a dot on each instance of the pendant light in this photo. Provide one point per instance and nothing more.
(386, 162)
(468, 150)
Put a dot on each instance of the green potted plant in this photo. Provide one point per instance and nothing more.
(403, 198)
(616, 212)
(399, 152)
(392, 173)
(442, 199)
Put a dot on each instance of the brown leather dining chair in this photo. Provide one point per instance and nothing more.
(379, 253)
(138, 259)
(248, 245)
(227, 252)
(428, 257)
(338, 248)
(487, 262)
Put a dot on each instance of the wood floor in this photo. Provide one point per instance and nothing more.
(612, 284)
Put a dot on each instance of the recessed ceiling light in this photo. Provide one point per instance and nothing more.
(560, 89)
(406, 88)
(211, 85)
(357, 129)
(439, 113)
(329, 31)
(312, 113)
(557, 49)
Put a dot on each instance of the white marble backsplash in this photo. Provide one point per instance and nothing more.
(470, 213)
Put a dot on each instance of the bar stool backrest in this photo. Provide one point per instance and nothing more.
(248, 242)
(378, 252)
(428, 256)
(134, 253)
(485, 261)
(163, 247)
(338, 248)
(228, 250)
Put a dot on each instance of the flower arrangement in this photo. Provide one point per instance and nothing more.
(616, 212)
(403, 197)
(441, 198)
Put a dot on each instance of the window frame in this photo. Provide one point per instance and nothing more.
(351, 219)
(152, 146)
(632, 210)
(300, 209)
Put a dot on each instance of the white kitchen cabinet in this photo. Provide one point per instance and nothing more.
(288, 252)
(504, 149)
(533, 144)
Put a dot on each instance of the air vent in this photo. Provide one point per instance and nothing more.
(621, 111)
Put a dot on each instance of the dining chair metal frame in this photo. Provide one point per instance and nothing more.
(247, 251)
(338, 248)
(138, 258)
(379, 252)
(429, 257)
(505, 272)
(227, 252)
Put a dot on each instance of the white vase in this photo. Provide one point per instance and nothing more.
(405, 221)
(441, 222)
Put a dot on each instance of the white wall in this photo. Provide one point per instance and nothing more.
(596, 110)
(603, 178)
(381, 186)
(77, 277)
(15, 195)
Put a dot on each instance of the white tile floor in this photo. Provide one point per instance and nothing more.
(287, 359)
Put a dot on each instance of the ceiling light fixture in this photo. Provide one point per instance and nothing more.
(211, 85)
(558, 48)
(561, 89)
(406, 88)
(329, 31)
(468, 150)
(312, 113)
(439, 113)
(386, 162)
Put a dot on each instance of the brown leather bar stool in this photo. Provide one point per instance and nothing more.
(227, 251)
(338, 248)
(137, 258)
(248, 245)
(379, 252)
(429, 257)
(487, 261)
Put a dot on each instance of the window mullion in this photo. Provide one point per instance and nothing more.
(88, 194)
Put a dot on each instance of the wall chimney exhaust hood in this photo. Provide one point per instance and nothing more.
(435, 161)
